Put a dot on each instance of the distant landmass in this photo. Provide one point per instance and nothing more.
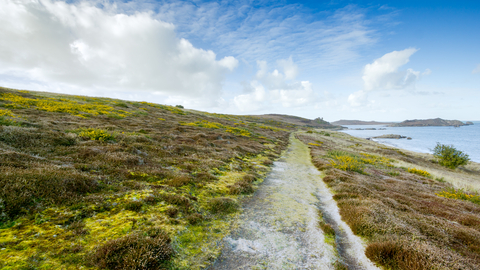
(430, 122)
(300, 121)
(359, 122)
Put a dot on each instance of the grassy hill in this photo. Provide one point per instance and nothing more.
(98, 183)
(84, 181)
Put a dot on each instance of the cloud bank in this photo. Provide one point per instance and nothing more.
(100, 47)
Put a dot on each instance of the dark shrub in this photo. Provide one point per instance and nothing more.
(171, 211)
(134, 206)
(223, 205)
(394, 255)
(150, 250)
(267, 162)
(179, 180)
(175, 199)
(194, 218)
(241, 187)
(22, 188)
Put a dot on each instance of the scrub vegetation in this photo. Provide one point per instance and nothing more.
(411, 218)
(98, 183)
(101, 183)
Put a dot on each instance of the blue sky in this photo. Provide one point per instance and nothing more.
(368, 60)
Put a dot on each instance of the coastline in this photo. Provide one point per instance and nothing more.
(424, 139)
(461, 178)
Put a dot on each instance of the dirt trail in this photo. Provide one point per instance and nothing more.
(278, 228)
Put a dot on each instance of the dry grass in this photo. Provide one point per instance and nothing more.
(408, 226)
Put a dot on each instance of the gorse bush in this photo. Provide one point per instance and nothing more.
(419, 172)
(96, 134)
(459, 195)
(449, 157)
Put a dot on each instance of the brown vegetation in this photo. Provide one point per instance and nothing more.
(407, 225)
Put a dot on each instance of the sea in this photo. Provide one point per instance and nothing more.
(424, 139)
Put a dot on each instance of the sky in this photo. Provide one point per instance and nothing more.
(364, 60)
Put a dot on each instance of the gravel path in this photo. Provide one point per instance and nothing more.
(278, 228)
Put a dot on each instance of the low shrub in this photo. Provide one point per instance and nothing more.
(179, 180)
(140, 250)
(419, 172)
(194, 218)
(347, 163)
(24, 190)
(171, 211)
(241, 187)
(175, 199)
(449, 157)
(223, 205)
(459, 195)
(135, 206)
(394, 255)
(96, 134)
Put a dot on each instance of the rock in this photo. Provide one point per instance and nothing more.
(409, 138)
(469, 123)
(390, 136)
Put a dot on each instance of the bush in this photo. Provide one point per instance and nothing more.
(419, 172)
(449, 157)
(96, 134)
(223, 205)
(23, 190)
(142, 250)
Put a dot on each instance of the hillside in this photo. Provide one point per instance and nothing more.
(413, 213)
(358, 122)
(99, 174)
(99, 183)
(428, 122)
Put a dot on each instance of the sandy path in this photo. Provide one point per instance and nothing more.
(278, 228)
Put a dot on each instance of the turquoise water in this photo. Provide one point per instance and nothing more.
(466, 138)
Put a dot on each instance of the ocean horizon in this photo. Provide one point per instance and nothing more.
(424, 139)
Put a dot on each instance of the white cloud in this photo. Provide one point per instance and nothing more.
(476, 70)
(271, 89)
(84, 45)
(290, 69)
(384, 73)
(269, 30)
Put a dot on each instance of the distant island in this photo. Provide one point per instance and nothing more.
(430, 123)
(359, 122)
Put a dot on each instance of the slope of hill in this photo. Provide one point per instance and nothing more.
(428, 122)
(413, 213)
(84, 178)
(358, 122)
